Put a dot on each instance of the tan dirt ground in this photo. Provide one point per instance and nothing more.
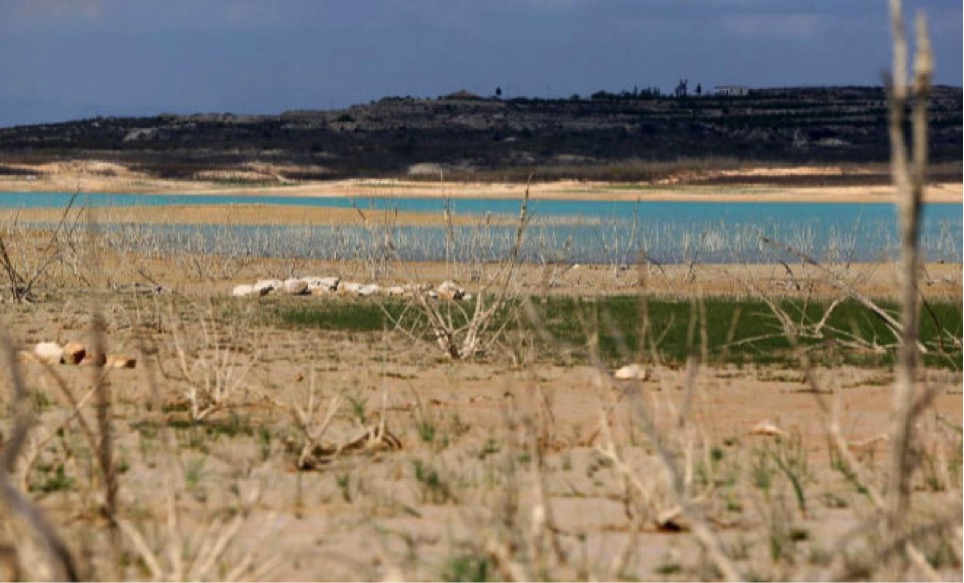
(467, 483)
(461, 482)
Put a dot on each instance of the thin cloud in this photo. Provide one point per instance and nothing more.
(773, 27)
(83, 10)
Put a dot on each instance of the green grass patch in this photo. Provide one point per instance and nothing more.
(468, 567)
(743, 331)
(338, 314)
(727, 330)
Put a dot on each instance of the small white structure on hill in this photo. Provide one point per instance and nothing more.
(731, 90)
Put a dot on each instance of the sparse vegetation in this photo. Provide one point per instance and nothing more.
(305, 437)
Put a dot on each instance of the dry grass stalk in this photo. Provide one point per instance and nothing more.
(304, 418)
(23, 275)
(462, 333)
(58, 563)
(909, 177)
(212, 371)
(837, 281)
(679, 478)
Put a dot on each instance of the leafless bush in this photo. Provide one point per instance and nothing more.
(463, 332)
(24, 266)
(211, 366)
(310, 428)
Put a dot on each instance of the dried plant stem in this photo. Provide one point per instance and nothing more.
(105, 446)
(835, 280)
(22, 281)
(60, 563)
(909, 182)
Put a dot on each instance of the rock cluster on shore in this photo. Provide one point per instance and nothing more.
(77, 354)
(320, 286)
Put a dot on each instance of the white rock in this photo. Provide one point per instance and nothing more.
(74, 352)
(448, 290)
(369, 290)
(295, 287)
(94, 359)
(121, 361)
(766, 428)
(349, 288)
(466, 297)
(322, 283)
(397, 291)
(447, 286)
(631, 372)
(265, 286)
(49, 352)
(245, 289)
(672, 520)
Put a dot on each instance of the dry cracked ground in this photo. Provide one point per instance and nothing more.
(244, 448)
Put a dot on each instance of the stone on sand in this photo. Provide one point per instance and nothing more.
(322, 283)
(49, 352)
(266, 286)
(245, 289)
(121, 361)
(631, 372)
(74, 353)
(295, 287)
(93, 358)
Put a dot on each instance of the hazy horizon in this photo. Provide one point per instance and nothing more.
(66, 60)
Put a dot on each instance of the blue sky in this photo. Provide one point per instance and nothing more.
(65, 59)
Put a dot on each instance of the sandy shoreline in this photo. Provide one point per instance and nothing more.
(250, 214)
(559, 190)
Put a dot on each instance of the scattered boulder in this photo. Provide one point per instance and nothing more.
(266, 286)
(243, 290)
(448, 290)
(672, 520)
(632, 372)
(349, 288)
(415, 288)
(322, 283)
(121, 361)
(74, 353)
(49, 352)
(93, 358)
(295, 287)
(767, 428)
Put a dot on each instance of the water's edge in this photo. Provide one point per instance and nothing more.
(584, 231)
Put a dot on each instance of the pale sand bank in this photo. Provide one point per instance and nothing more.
(560, 190)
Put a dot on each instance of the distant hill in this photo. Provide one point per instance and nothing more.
(592, 137)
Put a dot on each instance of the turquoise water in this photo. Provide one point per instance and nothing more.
(608, 231)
